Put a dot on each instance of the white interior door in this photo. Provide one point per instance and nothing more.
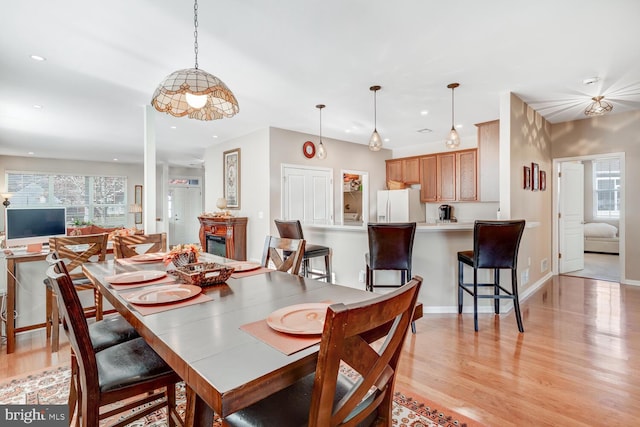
(571, 218)
(307, 194)
(185, 204)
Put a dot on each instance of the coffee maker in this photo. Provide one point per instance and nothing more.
(445, 212)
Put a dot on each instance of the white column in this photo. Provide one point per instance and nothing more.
(149, 189)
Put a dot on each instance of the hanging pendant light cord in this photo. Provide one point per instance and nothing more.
(453, 120)
(320, 124)
(375, 112)
(195, 31)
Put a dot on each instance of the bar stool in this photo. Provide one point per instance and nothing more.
(293, 230)
(390, 248)
(495, 246)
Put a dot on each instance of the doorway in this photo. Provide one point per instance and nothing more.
(185, 205)
(598, 264)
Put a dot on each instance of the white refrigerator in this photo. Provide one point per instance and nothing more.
(400, 206)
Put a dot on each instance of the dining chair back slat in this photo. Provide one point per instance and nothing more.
(137, 244)
(284, 254)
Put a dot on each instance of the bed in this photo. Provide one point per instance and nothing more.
(601, 237)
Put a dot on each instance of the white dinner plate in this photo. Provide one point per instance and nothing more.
(299, 319)
(148, 257)
(135, 276)
(164, 294)
(240, 266)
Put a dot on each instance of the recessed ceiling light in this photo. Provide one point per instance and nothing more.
(425, 130)
(386, 140)
(458, 126)
(37, 107)
(347, 130)
(424, 112)
(173, 127)
(38, 58)
(115, 159)
(31, 153)
(214, 136)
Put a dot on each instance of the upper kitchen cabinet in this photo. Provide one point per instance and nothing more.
(449, 177)
(466, 175)
(405, 170)
(489, 160)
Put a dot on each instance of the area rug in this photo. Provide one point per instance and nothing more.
(51, 387)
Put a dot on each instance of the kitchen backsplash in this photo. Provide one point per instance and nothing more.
(464, 212)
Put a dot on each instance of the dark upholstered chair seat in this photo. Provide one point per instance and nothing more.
(466, 257)
(311, 251)
(129, 363)
(288, 407)
(111, 331)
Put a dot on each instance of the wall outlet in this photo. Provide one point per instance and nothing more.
(361, 276)
(544, 265)
(529, 262)
(524, 277)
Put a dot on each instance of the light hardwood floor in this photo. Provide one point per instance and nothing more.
(577, 364)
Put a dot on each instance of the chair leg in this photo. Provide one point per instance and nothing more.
(327, 267)
(496, 290)
(55, 326)
(475, 299)
(516, 299)
(49, 296)
(460, 282)
(369, 280)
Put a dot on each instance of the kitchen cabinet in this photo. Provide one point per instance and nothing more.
(489, 160)
(466, 175)
(405, 170)
(449, 177)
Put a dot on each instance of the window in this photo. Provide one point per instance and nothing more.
(98, 200)
(606, 188)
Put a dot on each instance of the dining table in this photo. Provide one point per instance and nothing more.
(220, 342)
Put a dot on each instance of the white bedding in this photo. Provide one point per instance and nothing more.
(601, 237)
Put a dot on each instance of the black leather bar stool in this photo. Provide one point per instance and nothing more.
(495, 246)
(390, 248)
(293, 230)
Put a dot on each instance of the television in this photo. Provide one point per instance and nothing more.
(25, 226)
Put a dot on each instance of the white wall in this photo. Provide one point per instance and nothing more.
(254, 185)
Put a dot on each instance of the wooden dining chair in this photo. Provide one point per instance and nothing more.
(74, 251)
(368, 337)
(130, 373)
(274, 254)
(137, 244)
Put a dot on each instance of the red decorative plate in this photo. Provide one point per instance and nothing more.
(309, 149)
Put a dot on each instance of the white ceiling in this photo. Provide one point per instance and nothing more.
(282, 57)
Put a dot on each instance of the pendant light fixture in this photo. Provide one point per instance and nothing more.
(598, 107)
(453, 139)
(375, 142)
(322, 152)
(194, 92)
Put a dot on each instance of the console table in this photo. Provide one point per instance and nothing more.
(224, 236)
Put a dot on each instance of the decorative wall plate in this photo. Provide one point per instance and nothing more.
(309, 149)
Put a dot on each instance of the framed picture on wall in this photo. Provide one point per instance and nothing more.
(231, 178)
(526, 183)
(535, 177)
(543, 180)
